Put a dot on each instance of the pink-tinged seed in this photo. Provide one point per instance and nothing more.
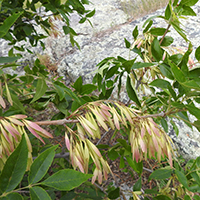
(99, 177)
(35, 134)
(19, 116)
(67, 142)
(105, 174)
(140, 44)
(5, 134)
(143, 145)
(10, 129)
(148, 129)
(38, 128)
(170, 157)
(107, 113)
(143, 130)
(95, 174)
(137, 155)
(155, 130)
(155, 142)
(2, 102)
(78, 163)
(116, 121)
(96, 150)
(86, 127)
(15, 121)
(104, 107)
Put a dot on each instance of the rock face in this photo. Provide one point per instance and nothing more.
(106, 39)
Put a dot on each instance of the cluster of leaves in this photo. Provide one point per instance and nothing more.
(25, 16)
(172, 78)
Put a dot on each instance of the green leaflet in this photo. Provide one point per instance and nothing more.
(114, 194)
(138, 65)
(8, 59)
(8, 23)
(191, 84)
(68, 91)
(179, 30)
(131, 92)
(41, 164)
(194, 111)
(197, 53)
(90, 14)
(182, 178)
(112, 154)
(188, 11)
(135, 33)
(160, 83)
(88, 89)
(164, 125)
(166, 71)
(167, 41)
(12, 196)
(127, 43)
(41, 88)
(188, 2)
(177, 72)
(158, 31)
(38, 193)
(138, 185)
(156, 50)
(168, 12)
(66, 179)
(161, 197)
(78, 84)
(17, 103)
(138, 167)
(14, 168)
(161, 173)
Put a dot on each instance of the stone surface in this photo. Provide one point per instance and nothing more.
(105, 39)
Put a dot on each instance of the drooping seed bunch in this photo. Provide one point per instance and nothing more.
(147, 139)
(11, 130)
(80, 152)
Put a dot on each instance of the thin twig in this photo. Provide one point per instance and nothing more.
(62, 155)
(57, 122)
(98, 186)
(148, 170)
(66, 121)
(138, 83)
(162, 114)
(103, 136)
(165, 33)
(124, 197)
(57, 155)
(23, 191)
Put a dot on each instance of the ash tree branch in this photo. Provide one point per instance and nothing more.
(56, 122)
(66, 121)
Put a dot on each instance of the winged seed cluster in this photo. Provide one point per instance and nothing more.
(11, 130)
(145, 136)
